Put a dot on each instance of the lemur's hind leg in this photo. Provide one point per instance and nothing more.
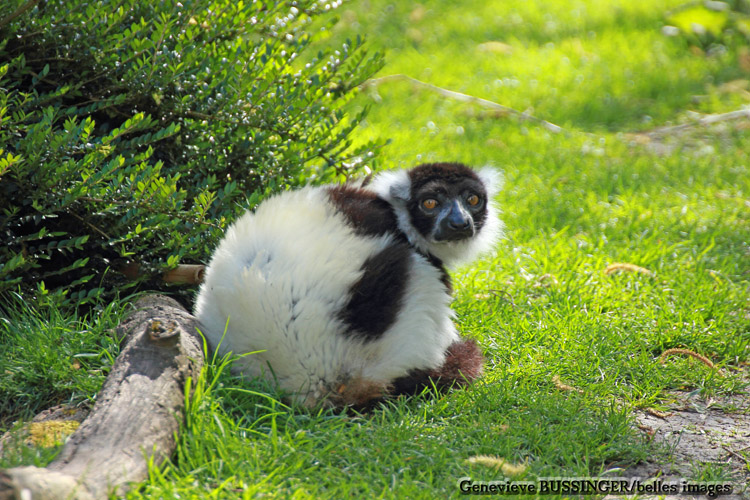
(463, 365)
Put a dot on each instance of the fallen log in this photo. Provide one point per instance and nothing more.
(136, 417)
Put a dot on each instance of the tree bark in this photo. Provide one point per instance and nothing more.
(137, 414)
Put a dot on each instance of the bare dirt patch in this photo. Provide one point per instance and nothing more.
(705, 440)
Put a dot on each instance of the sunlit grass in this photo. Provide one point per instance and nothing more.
(51, 357)
(541, 306)
(576, 64)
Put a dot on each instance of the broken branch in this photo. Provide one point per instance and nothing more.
(458, 96)
(137, 414)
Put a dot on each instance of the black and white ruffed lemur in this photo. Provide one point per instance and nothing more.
(343, 288)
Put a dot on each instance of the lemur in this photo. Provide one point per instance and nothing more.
(342, 289)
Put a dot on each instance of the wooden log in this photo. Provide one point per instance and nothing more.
(137, 413)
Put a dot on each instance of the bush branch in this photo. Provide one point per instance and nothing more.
(18, 12)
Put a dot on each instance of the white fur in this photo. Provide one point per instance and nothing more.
(278, 279)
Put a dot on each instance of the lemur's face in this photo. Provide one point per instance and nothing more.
(446, 208)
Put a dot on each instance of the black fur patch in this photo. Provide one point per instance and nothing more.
(376, 298)
(450, 178)
(449, 173)
(412, 383)
(368, 214)
(445, 278)
(423, 223)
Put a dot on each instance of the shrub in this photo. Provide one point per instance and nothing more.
(132, 132)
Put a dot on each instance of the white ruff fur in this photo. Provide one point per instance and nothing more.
(277, 282)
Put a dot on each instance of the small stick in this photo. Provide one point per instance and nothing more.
(732, 452)
(564, 387)
(191, 274)
(452, 94)
(687, 352)
(185, 274)
(703, 121)
(624, 266)
(657, 413)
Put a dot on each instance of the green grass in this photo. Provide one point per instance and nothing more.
(50, 357)
(541, 306)
(239, 443)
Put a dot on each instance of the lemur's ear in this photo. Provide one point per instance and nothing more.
(400, 192)
(393, 185)
(492, 180)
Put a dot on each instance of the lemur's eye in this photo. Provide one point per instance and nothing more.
(473, 200)
(429, 203)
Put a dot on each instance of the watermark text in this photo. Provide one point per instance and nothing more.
(593, 486)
